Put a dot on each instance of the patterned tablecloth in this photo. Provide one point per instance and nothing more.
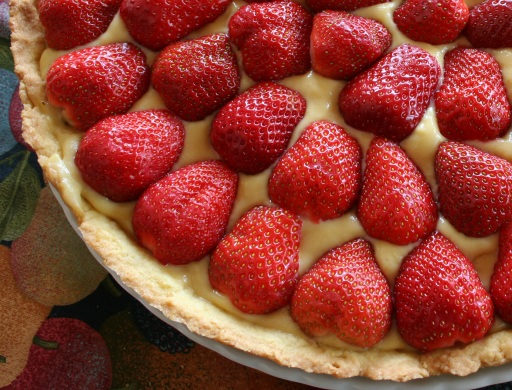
(64, 323)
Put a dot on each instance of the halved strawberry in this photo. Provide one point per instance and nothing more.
(256, 265)
(439, 298)
(472, 101)
(320, 175)
(342, 44)
(341, 5)
(396, 203)
(501, 289)
(93, 83)
(157, 23)
(183, 216)
(273, 38)
(120, 156)
(345, 293)
(490, 24)
(196, 77)
(253, 130)
(379, 100)
(474, 188)
(70, 23)
(433, 21)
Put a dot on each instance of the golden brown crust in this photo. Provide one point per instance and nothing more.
(168, 292)
(27, 46)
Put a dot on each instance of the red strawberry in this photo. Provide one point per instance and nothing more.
(196, 77)
(341, 5)
(157, 23)
(70, 23)
(432, 21)
(320, 175)
(472, 79)
(396, 203)
(490, 24)
(93, 83)
(501, 289)
(390, 98)
(183, 216)
(344, 293)
(439, 298)
(342, 44)
(474, 188)
(257, 264)
(253, 130)
(273, 38)
(122, 155)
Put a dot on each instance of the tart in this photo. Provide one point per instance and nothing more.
(183, 292)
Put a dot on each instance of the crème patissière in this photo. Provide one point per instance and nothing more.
(183, 293)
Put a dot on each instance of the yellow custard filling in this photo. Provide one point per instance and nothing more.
(321, 94)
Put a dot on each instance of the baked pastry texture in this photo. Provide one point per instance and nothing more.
(183, 293)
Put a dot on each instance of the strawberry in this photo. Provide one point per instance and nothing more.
(70, 23)
(93, 83)
(433, 21)
(474, 188)
(273, 38)
(319, 176)
(183, 216)
(472, 78)
(396, 203)
(196, 77)
(120, 156)
(253, 130)
(157, 23)
(256, 265)
(341, 5)
(342, 44)
(500, 289)
(390, 98)
(439, 298)
(345, 293)
(490, 24)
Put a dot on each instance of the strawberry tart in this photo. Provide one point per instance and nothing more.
(323, 183)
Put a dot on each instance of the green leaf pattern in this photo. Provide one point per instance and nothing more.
(19, 192)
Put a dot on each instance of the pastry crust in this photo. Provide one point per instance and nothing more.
(168, 291)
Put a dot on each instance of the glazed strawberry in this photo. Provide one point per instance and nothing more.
(256, 265)
(472, 78)
(157, 23)
(474, 188)
(439, 298)
(390, 98)
(490, 24)
(183, 216)
(432, 21)
(93, 83)
(341, 5)
(345, 293)
(273, 38)
(396, 203)
(320, 175)
(120, 156)
(253, 130)
(196, 77)
(70, 23)
(342, 44)
(501, 290)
